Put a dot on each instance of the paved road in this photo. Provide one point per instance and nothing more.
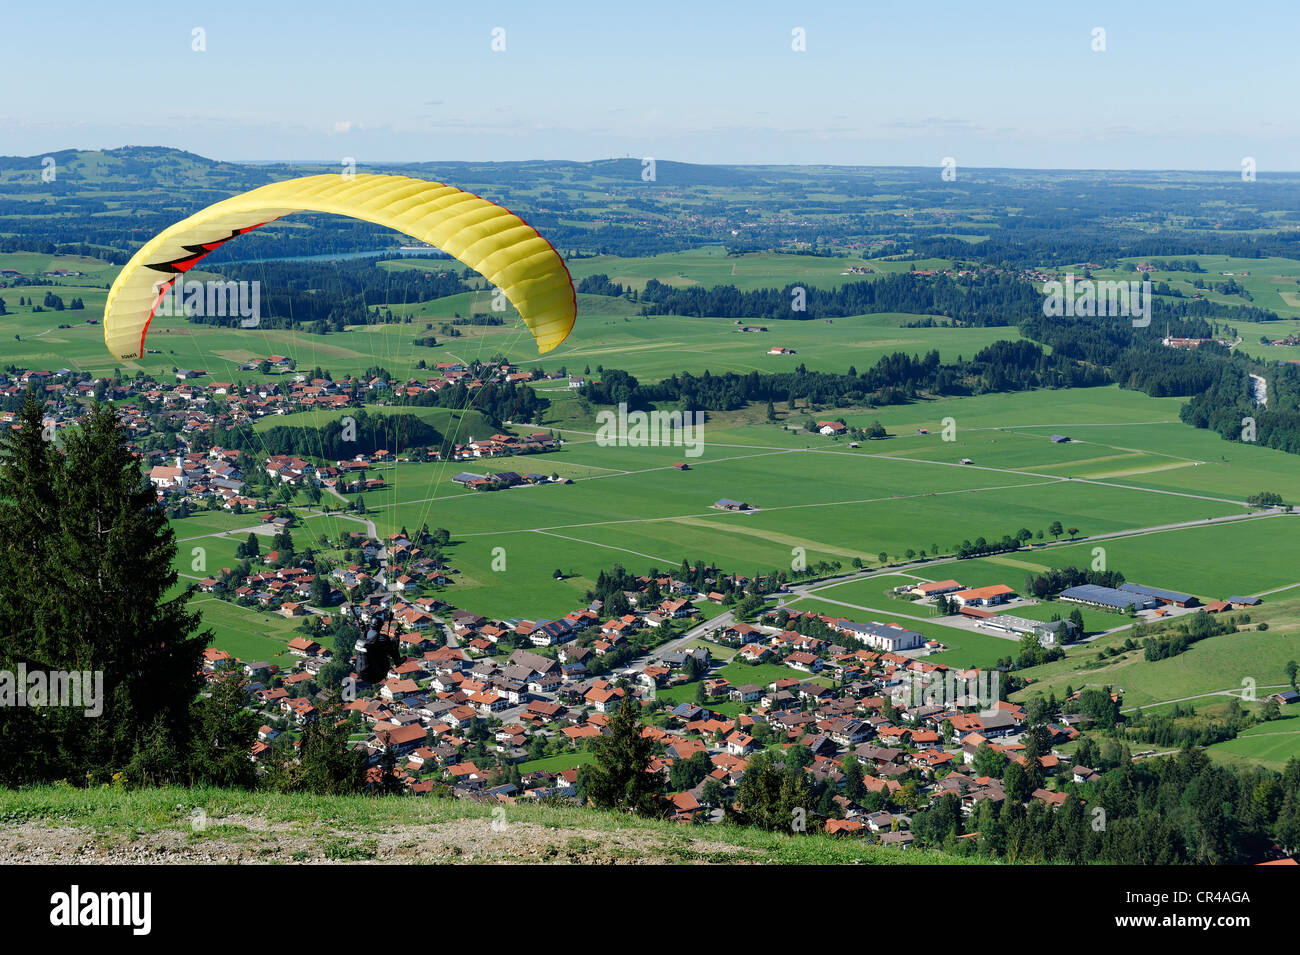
(695, 633)
(1231, 691)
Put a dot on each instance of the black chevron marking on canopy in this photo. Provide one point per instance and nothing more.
(194, 250)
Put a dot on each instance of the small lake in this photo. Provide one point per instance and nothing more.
(345, 256)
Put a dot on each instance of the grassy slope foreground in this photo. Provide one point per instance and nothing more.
(59, 824)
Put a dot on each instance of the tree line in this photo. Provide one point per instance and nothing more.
(894, 379)
(338, 439)
(979, 299)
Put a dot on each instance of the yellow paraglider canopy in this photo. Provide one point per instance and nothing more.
(493, 241)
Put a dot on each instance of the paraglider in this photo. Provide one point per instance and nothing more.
(493, 241)
(377, 650)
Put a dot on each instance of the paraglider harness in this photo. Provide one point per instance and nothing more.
(376, 650)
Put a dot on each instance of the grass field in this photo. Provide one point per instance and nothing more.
(1270, 744)
(738, 674)
(1212, 561)
(871, 593)
(605, 335)
(711, 265)
(1271, 282)
(557, 764)
(818, 497)
(247, 634)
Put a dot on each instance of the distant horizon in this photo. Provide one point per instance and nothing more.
(1235, 171)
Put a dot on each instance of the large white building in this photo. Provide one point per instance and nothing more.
(879, 636)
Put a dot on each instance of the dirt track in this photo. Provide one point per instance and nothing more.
(250, 840)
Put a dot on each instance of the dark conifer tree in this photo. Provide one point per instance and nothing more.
(619, 780)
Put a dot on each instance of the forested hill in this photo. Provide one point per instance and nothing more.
(107, 203)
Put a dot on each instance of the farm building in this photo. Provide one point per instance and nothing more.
(1241, 603)
(984, 596)
(1049, 633)
(727, 504)
(934, 588)
(1108, 597)
(1164, 596)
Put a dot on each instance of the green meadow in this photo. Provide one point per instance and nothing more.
(711, 265)
(1212, 561)
(818, 500)
(1272, 282)
(558, 763)
(245, 633)
(1270, 744)
(609, 332)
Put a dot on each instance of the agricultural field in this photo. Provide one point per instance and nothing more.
(629, 505)
(245, 633)
(1212, 561)
(1271, 282)
(557, 764)
(873, 593)
(739, 674)
(609, 333)
(711, 265)
(1269, 744)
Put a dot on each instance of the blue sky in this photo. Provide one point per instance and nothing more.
(1182, 85)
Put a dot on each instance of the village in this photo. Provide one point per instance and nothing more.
(194, 402)
(505, 710)
(463, 709)
(172, 424)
